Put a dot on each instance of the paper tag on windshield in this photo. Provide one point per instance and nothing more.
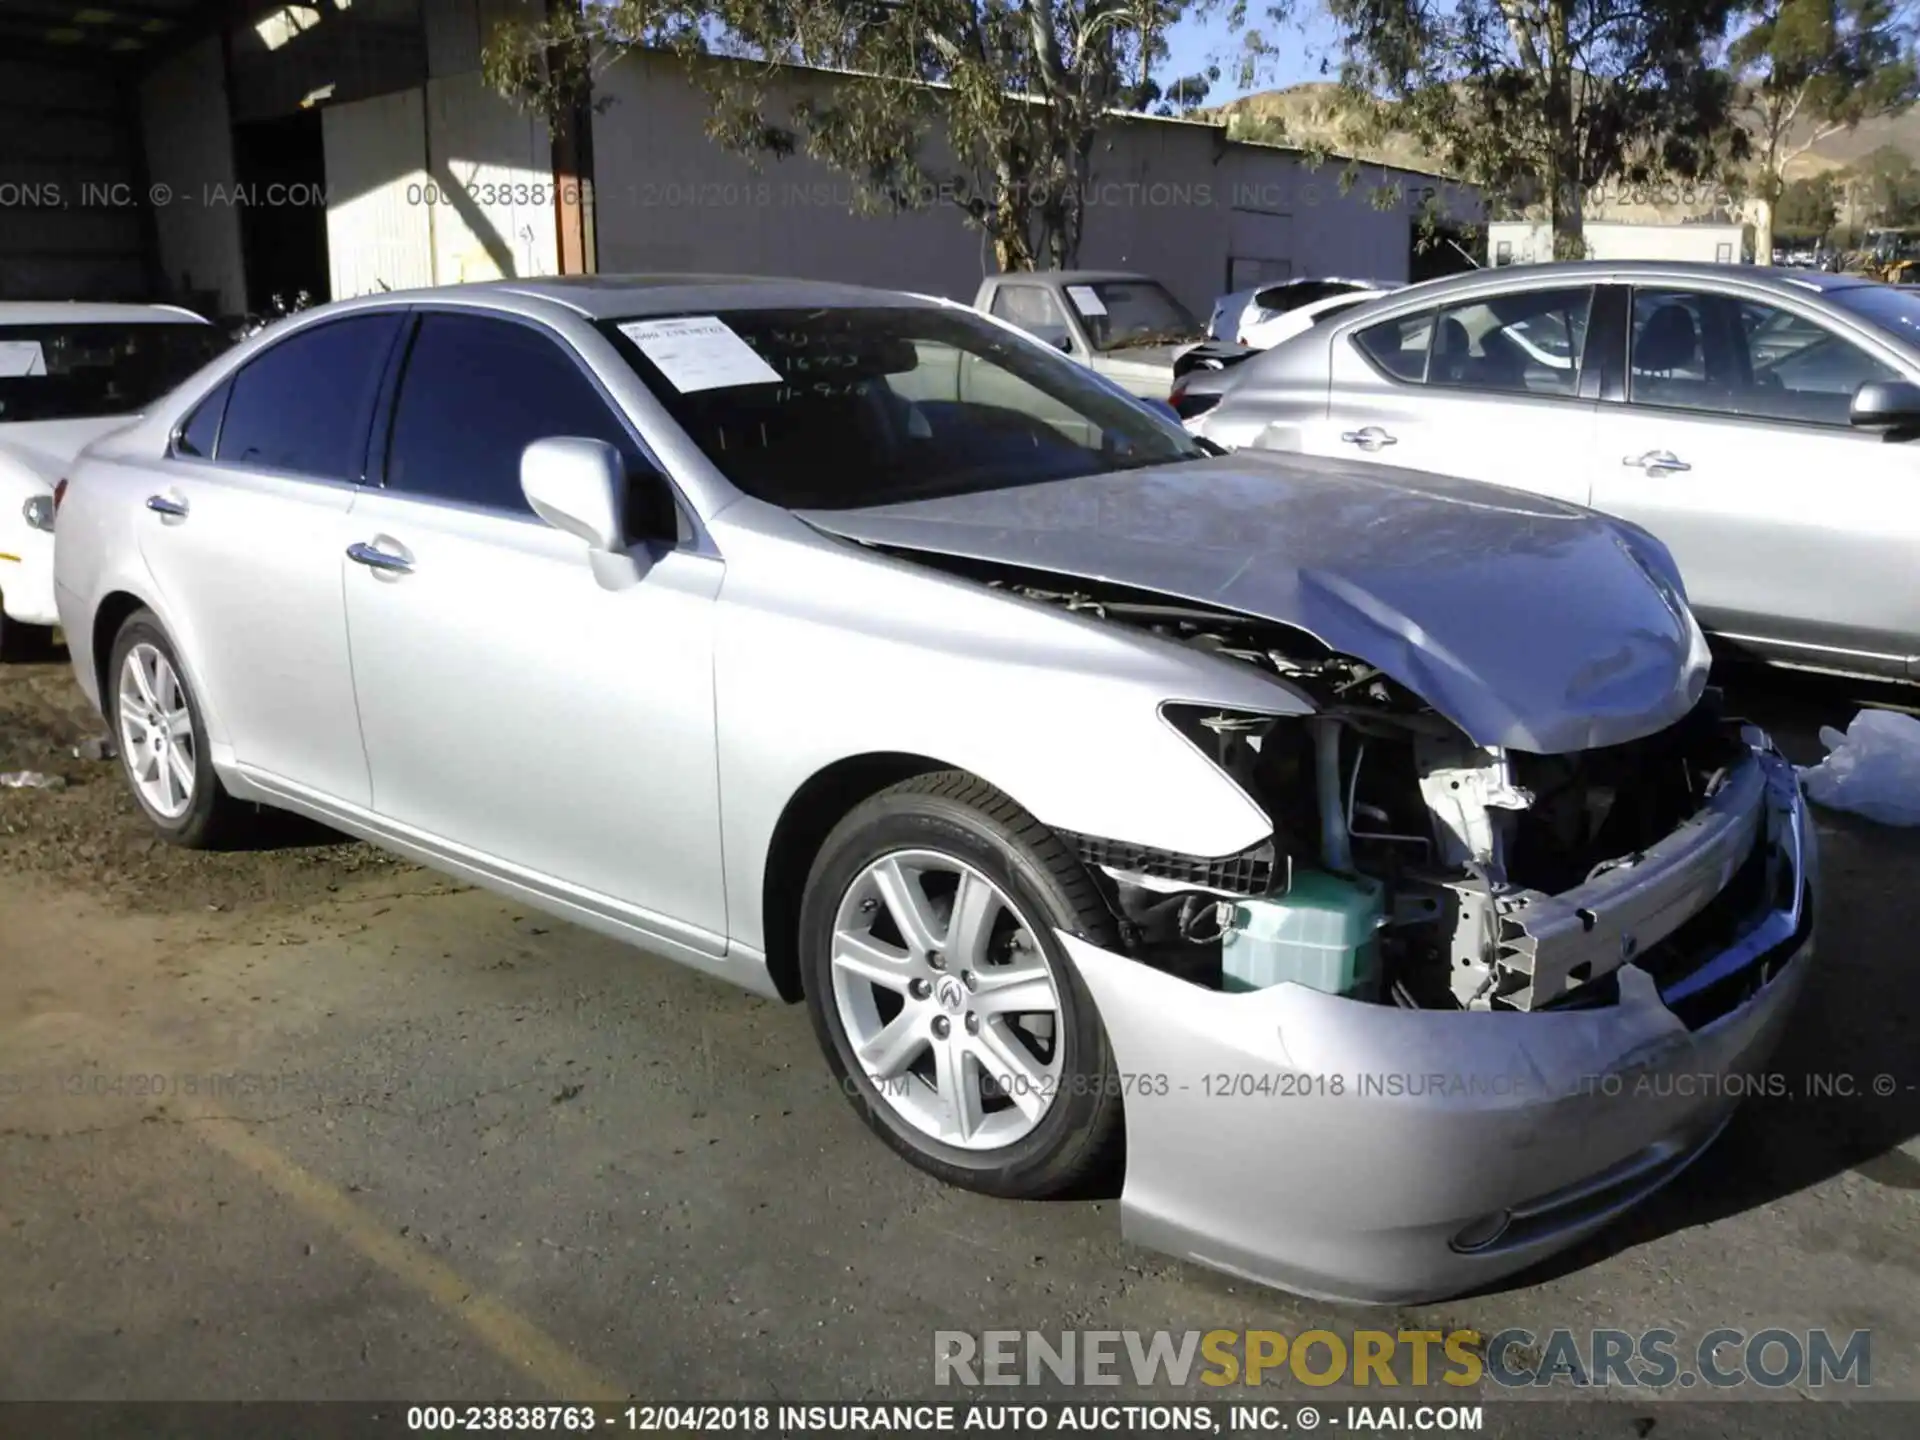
(1085, 301)
(21, 357)
(700, 353)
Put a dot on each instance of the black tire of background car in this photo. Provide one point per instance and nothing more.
(24, 642)
(215, 820)
(1079, 1142)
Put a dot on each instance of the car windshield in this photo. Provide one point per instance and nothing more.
(1126, 314)
(1895, 311)
(75, 372)
(836, 409)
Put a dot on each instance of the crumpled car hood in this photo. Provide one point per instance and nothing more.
(1529, 623)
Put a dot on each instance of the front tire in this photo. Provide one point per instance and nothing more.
(954, 1021)
(162, 741)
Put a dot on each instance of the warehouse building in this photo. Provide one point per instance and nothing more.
(220, 155)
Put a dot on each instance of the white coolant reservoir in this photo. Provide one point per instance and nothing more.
(1323, 933)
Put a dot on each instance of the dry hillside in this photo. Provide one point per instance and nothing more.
(1309, 115)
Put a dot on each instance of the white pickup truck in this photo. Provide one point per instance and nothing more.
(1128, 328)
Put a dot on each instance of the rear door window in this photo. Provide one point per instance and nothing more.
(1399, 346)
(304, 405)
(1526, 343)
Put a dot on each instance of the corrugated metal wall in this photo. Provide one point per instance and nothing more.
(379, 226)
(72, 221)
(1168, 199)
(443, 182)
(189, 147)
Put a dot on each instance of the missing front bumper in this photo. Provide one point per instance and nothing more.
(1338, 1148)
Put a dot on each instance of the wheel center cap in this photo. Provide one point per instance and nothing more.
(951, 994)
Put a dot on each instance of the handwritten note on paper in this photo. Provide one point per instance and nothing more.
(699, 353)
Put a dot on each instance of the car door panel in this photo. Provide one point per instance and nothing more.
(1800, 535)
(1387, 407)
(278, 673)
(249, 545)
(513, 707)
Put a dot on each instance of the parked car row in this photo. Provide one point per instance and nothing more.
(1083, 779)
(1760, 424)
(69, 373)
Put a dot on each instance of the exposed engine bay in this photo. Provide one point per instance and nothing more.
(1409, 866)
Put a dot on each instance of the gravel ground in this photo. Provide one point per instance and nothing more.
(310, 1122)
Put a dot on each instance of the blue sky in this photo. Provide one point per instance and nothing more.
(1196, 42)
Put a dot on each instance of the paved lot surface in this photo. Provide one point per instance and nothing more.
(404, 1140)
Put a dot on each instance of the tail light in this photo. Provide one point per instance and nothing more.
(59, 494)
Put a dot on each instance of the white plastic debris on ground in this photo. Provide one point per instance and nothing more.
(1873, 769)
(30, 780)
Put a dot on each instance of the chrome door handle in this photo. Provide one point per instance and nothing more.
(1370, 439)
(375, 558)
(167, 505)
(1656, 462)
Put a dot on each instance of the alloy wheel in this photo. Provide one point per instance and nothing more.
(947, 1000)
(156, 731)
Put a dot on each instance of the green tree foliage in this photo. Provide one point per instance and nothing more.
(1807, 209)
(1882, 190)
(1540, 101)
(1809, 69)
(990, 107)
(1147, 23)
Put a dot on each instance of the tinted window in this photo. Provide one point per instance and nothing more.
(1279, 299)
(1032, 308)
(197, 436)
(1896, 311)
(868, 406)
(1399, 346)
(304, 404)
(1525, 343)
(1719, 353)
(72, 372)
(475, 393)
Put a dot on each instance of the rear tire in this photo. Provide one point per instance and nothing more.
(949, 1013)
(24, 642)
(161, 735)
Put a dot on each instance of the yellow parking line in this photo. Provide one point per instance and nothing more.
(511, 1336)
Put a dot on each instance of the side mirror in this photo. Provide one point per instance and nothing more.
(578, 486)
(1063, 343)
(1886, 405)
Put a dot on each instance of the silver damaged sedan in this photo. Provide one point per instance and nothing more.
(1365, 849)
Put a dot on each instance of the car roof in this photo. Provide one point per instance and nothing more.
(1683, 271)
(84, 312)
(1079, 277)
(626, 297)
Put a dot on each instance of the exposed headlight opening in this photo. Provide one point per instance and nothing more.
(1411, 867)
(38, 511)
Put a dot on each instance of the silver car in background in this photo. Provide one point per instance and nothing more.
(1082, 781)
(1762, 424)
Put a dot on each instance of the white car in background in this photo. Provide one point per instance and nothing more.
(1273, 327)
(70, 372)
(1233, 314)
